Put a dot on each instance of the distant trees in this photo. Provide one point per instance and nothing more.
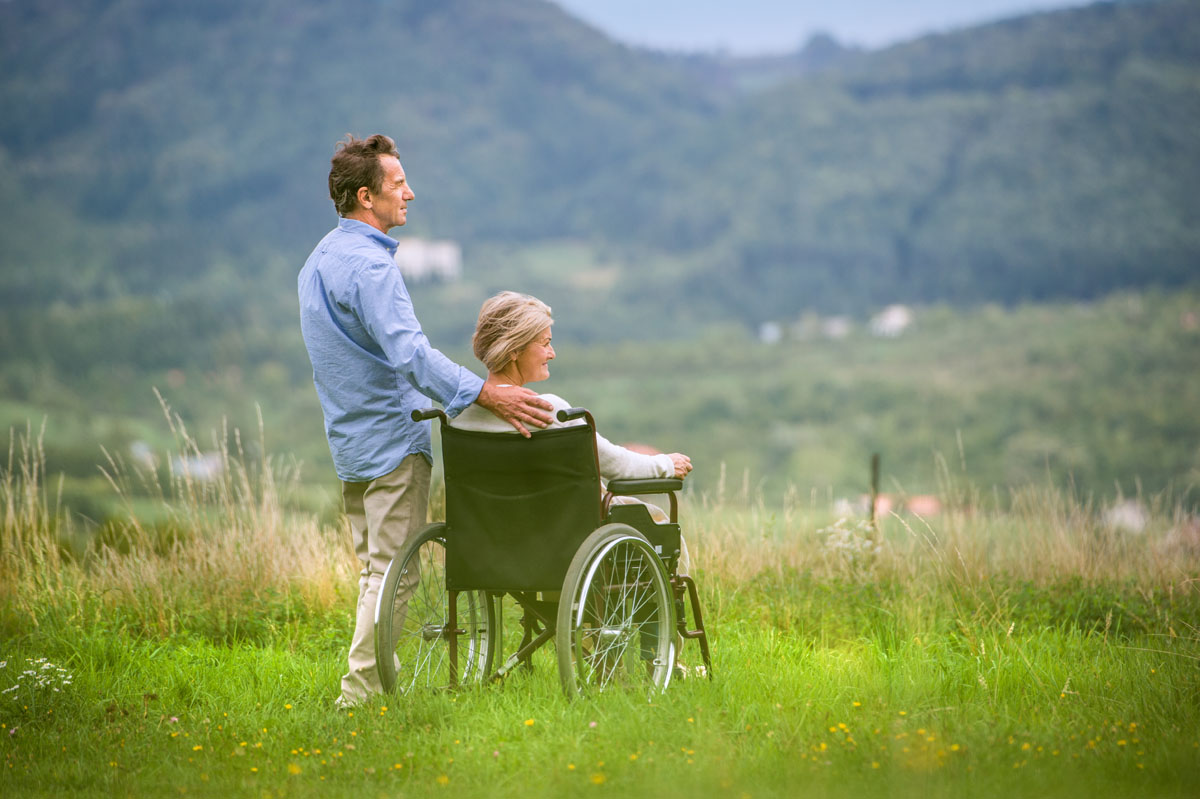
(1051, 155)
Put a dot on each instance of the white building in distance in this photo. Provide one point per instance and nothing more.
(770, 333)
(891, 321)
(836, 327)
(422, 260)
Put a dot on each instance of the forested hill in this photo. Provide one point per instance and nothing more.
(149, 140)
(1048, 156)
(179, 151)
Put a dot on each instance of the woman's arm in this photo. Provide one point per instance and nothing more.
(616, 462)
(619, 463)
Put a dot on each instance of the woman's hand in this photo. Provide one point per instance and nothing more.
(683, 464)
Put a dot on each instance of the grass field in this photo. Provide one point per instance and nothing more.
(1024, 651)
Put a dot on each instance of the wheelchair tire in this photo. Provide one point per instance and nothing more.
(616, 617)
(416, 638)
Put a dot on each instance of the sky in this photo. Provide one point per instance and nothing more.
(754, 27)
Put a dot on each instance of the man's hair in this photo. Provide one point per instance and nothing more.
(508, 322)
(356, 164)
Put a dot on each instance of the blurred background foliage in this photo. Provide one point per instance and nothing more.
(1028, 185)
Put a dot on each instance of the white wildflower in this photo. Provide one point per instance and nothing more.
(42, 677)
(854, 543)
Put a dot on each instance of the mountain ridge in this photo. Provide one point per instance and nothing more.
(158, 147)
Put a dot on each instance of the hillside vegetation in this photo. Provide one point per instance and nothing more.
(1096, 399)
(155, 148)
(162, 176)
(1047, 156)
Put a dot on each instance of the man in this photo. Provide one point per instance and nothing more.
(372, 366)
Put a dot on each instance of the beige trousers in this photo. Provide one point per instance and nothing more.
(383, 513)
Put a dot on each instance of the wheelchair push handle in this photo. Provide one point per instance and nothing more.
(567, 414)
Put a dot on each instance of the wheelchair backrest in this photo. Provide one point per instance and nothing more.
(517, 508)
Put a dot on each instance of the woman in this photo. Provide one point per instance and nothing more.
(512, 339)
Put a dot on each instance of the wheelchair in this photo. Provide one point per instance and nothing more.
(526, 520)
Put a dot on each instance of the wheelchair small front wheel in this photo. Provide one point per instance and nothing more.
(413, 625)
(616, 617)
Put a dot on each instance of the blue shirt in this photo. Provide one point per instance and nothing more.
(372, 365)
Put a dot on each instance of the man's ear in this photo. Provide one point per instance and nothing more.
(364, 196)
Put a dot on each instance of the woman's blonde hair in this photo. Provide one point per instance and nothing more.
(508, 322)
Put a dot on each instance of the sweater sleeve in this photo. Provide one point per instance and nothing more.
(618, 463)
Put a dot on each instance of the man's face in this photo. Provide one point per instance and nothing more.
(390, 206)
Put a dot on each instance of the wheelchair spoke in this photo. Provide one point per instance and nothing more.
(620, 619)
(419, 646)
(422, 666)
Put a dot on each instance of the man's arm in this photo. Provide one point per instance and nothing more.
(516, 405)
(387, 312)
(380, 301)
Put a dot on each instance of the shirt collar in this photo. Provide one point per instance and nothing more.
(362, 228)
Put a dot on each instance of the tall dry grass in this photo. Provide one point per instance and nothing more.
(231, 549)
(1039, 534)
(223, 547)
(31, 561)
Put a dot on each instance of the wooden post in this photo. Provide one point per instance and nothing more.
(874, 485)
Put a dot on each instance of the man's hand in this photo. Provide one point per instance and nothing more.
(683, 464)
(516, 405)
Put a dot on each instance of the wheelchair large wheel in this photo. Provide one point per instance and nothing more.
(413, 624)
(616, 617)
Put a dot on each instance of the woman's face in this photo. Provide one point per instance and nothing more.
(533, 362)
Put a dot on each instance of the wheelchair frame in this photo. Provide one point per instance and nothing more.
(438, 615)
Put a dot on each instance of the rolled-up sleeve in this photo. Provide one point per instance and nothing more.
(383, 304)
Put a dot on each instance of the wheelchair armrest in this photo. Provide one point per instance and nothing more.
(428, 413)
(628, 488)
